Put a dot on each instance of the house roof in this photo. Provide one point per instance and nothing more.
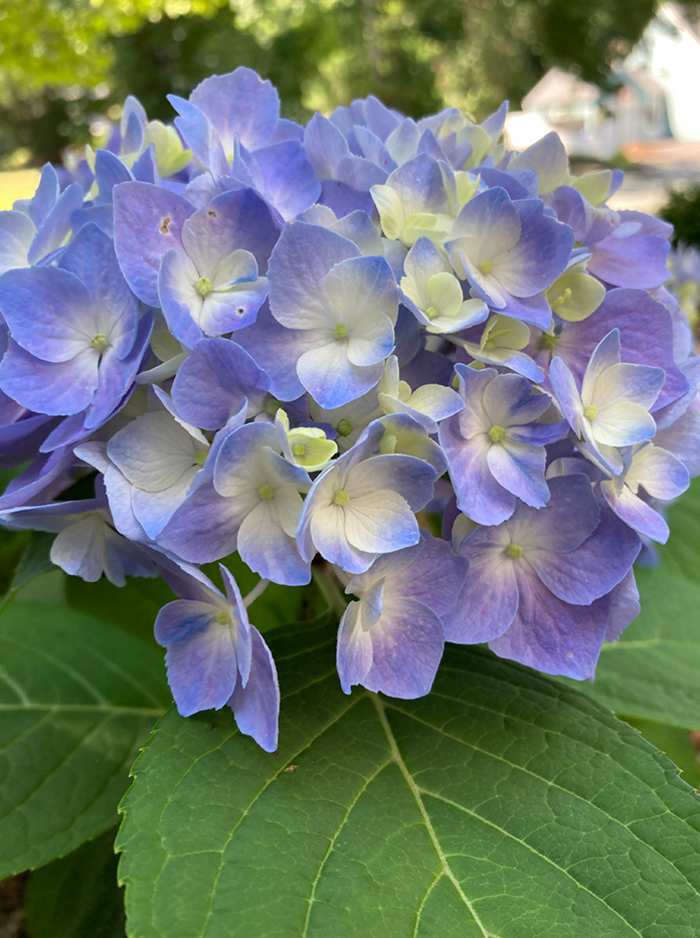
(557, 88)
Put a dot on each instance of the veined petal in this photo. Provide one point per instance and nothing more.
(592, 569)
(201, 655)
(299, 263)
(624, 382)
(519, 468)
(268, 550)
(153, 451)
(331, 378)
(147, 223)
(328, 535)
(56, 388)
(551, 635)
(49, 312)
(488, 601)
(623, 424)
(354, 651)
(659, 472)
(635, 512)
(380, 522)
(256, 706)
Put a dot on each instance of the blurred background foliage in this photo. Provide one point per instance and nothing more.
(64, 63)
(683, 212)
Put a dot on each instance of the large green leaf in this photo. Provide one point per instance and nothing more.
(77, 698)
(653, 671)
(504, 804)
(78, 896)
(677, 745)
(682, 553)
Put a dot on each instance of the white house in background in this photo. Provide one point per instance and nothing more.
(658, 95)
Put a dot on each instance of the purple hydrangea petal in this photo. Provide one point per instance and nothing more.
(49, 312)
(240, 106)
(519, 468)
(204, 528)
(256, 705)
(325, 146)
(489, 599)
(214, 381)
(269, 550)
(90, 257)
(55, 388)
(639, 260)
(571, 516)
(16, 234)
(407, 645)
(201, 655)
(276, 350)
(283, 174)
(594, 568)
(636, 513)
(551, 635)
(300, 261)
(238, 219)
(331, 378)
(147, 224)
(478, 493)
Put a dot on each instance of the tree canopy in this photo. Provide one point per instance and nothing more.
(66, 61)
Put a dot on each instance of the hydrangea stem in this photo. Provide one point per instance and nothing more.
(330, 588)
(256, 591)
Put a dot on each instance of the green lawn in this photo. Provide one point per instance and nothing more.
(17, 184)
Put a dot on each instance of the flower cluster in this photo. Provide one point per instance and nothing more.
(447, 372)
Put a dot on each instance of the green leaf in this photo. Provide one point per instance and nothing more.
(677, 745)
(504, 804)
(653, 671)
(132, 607)
(78, 896)
(77, 698)
(681, 555)
(34, 561)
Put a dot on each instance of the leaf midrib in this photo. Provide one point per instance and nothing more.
(416, 793)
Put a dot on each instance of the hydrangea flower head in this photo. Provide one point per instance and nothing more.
(316, 346)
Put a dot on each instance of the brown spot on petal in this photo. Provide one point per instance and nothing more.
(165, 225)
(211, 213)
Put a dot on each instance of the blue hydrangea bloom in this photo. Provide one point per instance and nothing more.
(317, 345)
(76, 334)
(215, 657)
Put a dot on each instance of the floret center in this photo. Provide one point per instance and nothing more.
(341, 330)
(298, 449)
(341, 497)
(266, 492)
(590, 412)
(344, 427)
(203, 286)
(514, 551)
(100, 342)
(497, 434)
